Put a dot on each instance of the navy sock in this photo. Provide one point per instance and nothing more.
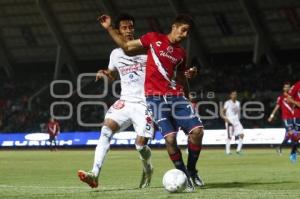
(294, 147)
(178, 162)
(194, 152)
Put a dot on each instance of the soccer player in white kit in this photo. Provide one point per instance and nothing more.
(129, 109)
(231, 115)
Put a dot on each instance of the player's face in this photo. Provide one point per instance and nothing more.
(180, 32)
(286, 88)
(233, 95)
(126, 29)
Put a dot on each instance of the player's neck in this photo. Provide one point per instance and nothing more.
(171, 38)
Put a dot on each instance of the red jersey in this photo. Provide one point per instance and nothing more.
(164, 61)
(287, 111)
(53, 128)
(295, 94)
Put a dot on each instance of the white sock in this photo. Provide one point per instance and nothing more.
(102, 149)
(239, 146)
(145, 156)
(228, 145)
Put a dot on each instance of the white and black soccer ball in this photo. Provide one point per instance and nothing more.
(174, 180)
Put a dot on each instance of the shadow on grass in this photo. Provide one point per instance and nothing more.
(241, 184)
(217, 185)
(127, 189)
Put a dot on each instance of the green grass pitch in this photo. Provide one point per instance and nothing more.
(44, 174)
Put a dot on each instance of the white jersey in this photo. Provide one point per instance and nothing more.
(232, 111)
(132, 74)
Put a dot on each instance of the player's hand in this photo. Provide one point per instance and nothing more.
(227, 120)
(100, 74)
(105, 21)
(191, 72)
(103, 73)
(270, 119)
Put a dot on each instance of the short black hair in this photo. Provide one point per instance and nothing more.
(184, 19)
(123, 17)
(286, 83)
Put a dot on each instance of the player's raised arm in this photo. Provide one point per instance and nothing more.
(128, 46)
(291, 100)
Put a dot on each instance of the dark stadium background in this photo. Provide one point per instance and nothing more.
(249, 45)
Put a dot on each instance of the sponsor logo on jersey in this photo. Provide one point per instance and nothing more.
(167, 55)
(124, 70)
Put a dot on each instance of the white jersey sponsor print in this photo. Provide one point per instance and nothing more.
(132, 74)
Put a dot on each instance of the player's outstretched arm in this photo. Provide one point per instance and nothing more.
(271, 117)
(127, 46)
(108, 73)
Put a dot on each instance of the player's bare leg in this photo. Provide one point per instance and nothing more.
(145, 156)
(194, 147)
(176, 157)
(107, 131)
(240, 143)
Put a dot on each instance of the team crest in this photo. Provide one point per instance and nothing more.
(170, 49)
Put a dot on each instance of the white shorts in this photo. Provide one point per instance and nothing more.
(136, 113)
(235, 129)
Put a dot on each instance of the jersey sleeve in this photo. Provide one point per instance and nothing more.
(278, 102)
(146, 39)
(112, 61)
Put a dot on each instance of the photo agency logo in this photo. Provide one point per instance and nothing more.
(204, 104)
(87, 99)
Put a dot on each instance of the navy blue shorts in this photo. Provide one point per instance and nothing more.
(173, 112)
(288, 124)
(297, 124)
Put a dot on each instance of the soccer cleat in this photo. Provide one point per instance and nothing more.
(293, 157)
(146, 178)
(88, 177)
(239, 153)
(189, 186)
(198, 182)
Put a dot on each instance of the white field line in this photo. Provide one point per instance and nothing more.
(41, 187)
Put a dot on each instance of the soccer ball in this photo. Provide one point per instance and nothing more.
(174, 180)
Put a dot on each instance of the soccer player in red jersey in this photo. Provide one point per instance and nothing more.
(287, 114)
(53, 130)
(294, 98)
(164, 89)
